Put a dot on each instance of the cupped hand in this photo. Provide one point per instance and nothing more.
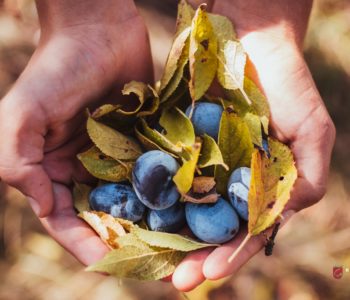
(85, 49)
(272, 34)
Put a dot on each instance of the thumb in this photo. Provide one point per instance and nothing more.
(22, 131)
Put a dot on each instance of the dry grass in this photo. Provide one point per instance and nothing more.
(33, 266)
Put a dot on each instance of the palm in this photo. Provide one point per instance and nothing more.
(298, 118)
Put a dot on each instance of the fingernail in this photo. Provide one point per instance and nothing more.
(35, 206)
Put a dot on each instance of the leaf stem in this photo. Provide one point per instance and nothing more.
(240, 247)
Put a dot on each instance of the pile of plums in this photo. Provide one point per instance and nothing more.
(154, 194)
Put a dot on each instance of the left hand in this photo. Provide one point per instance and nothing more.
(272, 33)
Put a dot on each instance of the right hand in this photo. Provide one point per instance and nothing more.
(85, 49)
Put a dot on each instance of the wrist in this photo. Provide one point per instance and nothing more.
(60, 14)
(283, 21)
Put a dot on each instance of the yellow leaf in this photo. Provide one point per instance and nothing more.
(203, 54)
(176, 60)
(223, 29)
(236, 147)
(112, 142)
(184, 176)
(232, 60)
(272, 180)
(105, 167)
(178, 127)
(185, 14)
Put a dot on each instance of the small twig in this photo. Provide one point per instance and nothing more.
(270, 242)
(240, 247)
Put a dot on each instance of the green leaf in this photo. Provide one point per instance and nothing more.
(169, 240)
(159, 139)
(232, 60)
(105, 167)
(259, 102)
(210, 153)
(203, 54)
(177, 59)
(259, 107)
(184, 176)
(112, 142)
(81, 196)
(139, 261)
(178, 127)
(272, 180)
(145, 141)
(236, 147)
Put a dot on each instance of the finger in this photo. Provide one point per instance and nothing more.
(70, 231)
(216, 266)
(62, 164)
(312, 154)
(22, 140)
(188, 273)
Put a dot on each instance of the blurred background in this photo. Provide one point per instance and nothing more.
(33, 266)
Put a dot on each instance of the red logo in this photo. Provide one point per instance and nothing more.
(337, 272)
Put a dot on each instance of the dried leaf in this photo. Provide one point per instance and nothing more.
(178, 127)
(107, 227)
(176, 60)
(210, 197)
(139, 261)
(112, 142)
(185, 14)
(203, 54)
(147, 96)
(223, 29)
(231, 60)
(159, 139)
(169, 240)
(105, 167)
(203, 184)
(210, 153)
(259, 102)
(81, 196)
(184, 176)
(259, 107)
(127, 225)
(271, 183)
(236, 147)
(105, 110)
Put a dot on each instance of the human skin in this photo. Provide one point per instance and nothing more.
(272, 33)
(84, 51)
(86, 48)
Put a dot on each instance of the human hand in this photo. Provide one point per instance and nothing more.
(272, 34)
(86, 47)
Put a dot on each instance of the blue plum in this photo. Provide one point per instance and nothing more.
(152, 178)
(213, 223)
(237, 190)
(119, 200)
(206, 118)
(171, 219)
